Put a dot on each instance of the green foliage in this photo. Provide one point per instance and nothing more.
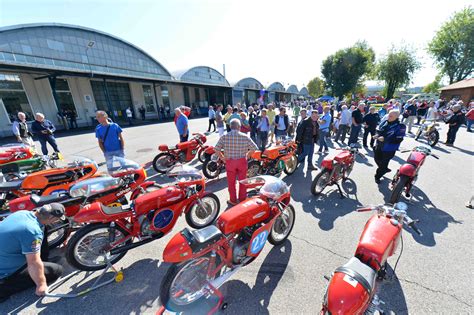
(347, 68)
(453, 46)
(434, 86)
(316, 87)
(396, 69)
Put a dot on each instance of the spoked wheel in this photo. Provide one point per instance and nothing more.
(202, 155)
(320, 181)
(291, 165)
(398, 188)
(253, 168)
(57, 233)
(211, 169)
(282, 227)
(433, 138)
(185, 283)
(163, 162)
(89, 248)
(203, 214)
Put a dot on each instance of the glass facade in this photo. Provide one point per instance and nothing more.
(249, 83)
(66, 48)
(165, 97)
(276, 86)
(149, 101)
(13, 97)
(119, 95)
(66, 103)
(186, 96)
(293, 89)
(204, 75)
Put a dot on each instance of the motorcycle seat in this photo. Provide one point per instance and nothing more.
(39, 201)
(114, 210)
(11, 185)
(202, 238)
(360, 272)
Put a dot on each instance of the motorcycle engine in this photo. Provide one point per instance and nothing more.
(182, 156)
(273, 168)
(145, 222)
(241, 244)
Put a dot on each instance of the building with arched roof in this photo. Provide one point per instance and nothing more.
(70, 69)
(276, 92)
(247, 90)
(204, 86)
(304, 92)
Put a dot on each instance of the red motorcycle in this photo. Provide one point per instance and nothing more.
(111, 231)
(183, 152)
(126, 176)
(352, 287)
(204, 259)
(407, 174)
(334, 169)
(213, 165)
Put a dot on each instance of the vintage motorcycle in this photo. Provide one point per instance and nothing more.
(213, 165)
(429, 131)
(406, 175)
(352, 288)
(16, 160)
(125, 176)
(183, 152)
(110, 231)
(204, 259)
(48, 182)
(334, 169)
(274, 160)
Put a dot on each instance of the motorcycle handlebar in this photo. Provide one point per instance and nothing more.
(435, 156)
(415, 228)
(364, 209)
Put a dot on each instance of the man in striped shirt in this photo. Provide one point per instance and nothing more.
(236, 146)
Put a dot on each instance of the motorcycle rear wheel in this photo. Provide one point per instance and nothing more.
(398, 188)
(211, 169)
(291, 165)
(94, 247)
(163, 162)
(188, 279)
(320, 182)
(433, 138)
(281, 229)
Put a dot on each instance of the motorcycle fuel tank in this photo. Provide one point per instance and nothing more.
(343, 157)
(416, 158)
(274, 152)
(346, 296)
(158, 199)
(378, 241)
(247, 213)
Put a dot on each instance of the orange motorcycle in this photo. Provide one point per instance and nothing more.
(274, 160)
(48, 182)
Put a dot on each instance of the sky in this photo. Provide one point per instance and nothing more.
(283, 41)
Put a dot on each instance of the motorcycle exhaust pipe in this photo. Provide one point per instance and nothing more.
(125, 248)
(218, 282)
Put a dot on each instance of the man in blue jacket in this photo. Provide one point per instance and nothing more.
(109, 136)
(389, 135)
(44, 130)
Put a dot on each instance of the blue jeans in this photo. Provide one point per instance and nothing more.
(322, 139)
(184, 138)
(48, 139)
(109, 158)
(263, 136)
(354, 137)
(279, 134)
(308, 150)
(469, 123)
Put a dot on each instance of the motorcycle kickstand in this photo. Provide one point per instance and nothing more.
(340, 190)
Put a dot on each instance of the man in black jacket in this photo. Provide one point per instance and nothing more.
(282, 122)
(307, 133)
(44, 130)
(371, 120)
(455, 121)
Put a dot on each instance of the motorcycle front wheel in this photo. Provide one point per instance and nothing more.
(57, 233)
(88, 249)
(202, 155)
(291, 165)
(199, 216)
(320, 181)
(433, 138)
(398, 188)
(163, 162)
(185, 284)
(211, 169)
(283, 226)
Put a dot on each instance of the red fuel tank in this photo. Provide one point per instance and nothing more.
(378, 241)
(21, 203)
(346, 296)
(158, 199)
(416, 158)
(247, 213)
(343, 157)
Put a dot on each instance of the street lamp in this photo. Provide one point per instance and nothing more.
(90, 44)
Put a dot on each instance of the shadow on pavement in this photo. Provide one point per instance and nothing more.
(245, 300)
(391, 293)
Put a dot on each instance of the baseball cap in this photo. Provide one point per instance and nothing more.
(53, 209)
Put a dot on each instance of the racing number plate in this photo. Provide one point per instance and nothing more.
(259, 238)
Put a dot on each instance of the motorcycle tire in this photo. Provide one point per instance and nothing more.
(278, 241)
(433, 138)
(398, 189)
(289, 171)
(62, 230)
(253, 168)
(82, 233)
(157, 166)
(324, 172)
(202, 155)
(170, 277)
(191, 211)
(207, 169)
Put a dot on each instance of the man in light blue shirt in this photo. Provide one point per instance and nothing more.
(182, 125)
(324, 123)
(263, 128)
(212, 119)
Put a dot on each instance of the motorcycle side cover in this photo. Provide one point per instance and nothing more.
(21, 203)
(378, 241)
(346, 296)
(93, 212)
(177, 249)
(158, 199)
(247, 213)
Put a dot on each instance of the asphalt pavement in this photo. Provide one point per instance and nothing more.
(433, 276)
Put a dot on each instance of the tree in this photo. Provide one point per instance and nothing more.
(453, 46)
(345, 70)
(434, 86)
(396, 69)
(316, 87)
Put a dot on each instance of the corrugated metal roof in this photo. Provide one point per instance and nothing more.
(460, 85)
